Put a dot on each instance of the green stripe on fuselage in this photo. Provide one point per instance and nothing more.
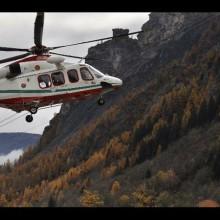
(48, 90)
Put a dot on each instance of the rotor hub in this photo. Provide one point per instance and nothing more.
(39, 50)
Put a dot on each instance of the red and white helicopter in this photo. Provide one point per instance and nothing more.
(41, 78)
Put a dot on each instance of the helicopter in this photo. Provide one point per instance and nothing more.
(41, 78)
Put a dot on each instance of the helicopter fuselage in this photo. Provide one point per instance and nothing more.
(41, 83)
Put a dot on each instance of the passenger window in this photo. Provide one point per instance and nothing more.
(73, 76)
(58, 78)
(44, 81)
(85, 74)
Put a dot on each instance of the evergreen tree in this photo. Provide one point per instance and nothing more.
(175, 126)
(138, 134)
(185, 123)
(202, 113)
(193, 119)
(212, 108)
(218, 98)
(143, 129)
(160, 132)
(147, 149)
(52, 202)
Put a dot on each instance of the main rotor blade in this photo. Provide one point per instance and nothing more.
(38, 29)
(77, 57)
(12, 49)
(14, 58)
(90, 41)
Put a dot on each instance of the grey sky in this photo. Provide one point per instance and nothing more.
(16, 30)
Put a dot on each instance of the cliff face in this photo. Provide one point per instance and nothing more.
(169, 26)
(133, 60)
(154, 143)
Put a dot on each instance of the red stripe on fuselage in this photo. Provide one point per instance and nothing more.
(34, 58)
(24, 103)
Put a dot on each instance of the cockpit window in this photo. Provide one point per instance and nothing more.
(85, 74)
(44, 81)
(96, 72)
(98, 75)
(57, 78)
(73, 75)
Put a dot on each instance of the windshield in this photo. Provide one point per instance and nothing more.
(96, 72)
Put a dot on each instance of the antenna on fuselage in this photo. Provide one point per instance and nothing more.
(80, 61)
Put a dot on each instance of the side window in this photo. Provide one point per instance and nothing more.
(85, 74)
(73, 76)
(58, 78)
(44, 81)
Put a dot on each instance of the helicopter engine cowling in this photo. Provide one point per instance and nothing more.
(3, 72)
(14, 70)
(10, 71)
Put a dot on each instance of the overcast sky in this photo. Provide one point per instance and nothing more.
(16, 30)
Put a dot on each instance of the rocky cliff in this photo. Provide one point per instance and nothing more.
(133, 60)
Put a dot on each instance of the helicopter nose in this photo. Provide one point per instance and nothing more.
(111, 82)
(118, 82)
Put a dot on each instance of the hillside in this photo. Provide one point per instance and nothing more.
(14, 141)
(156, 141)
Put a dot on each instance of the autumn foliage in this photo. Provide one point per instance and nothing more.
(91, 199)
(208, 203)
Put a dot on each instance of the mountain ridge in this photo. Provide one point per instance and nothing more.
(16, 140)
